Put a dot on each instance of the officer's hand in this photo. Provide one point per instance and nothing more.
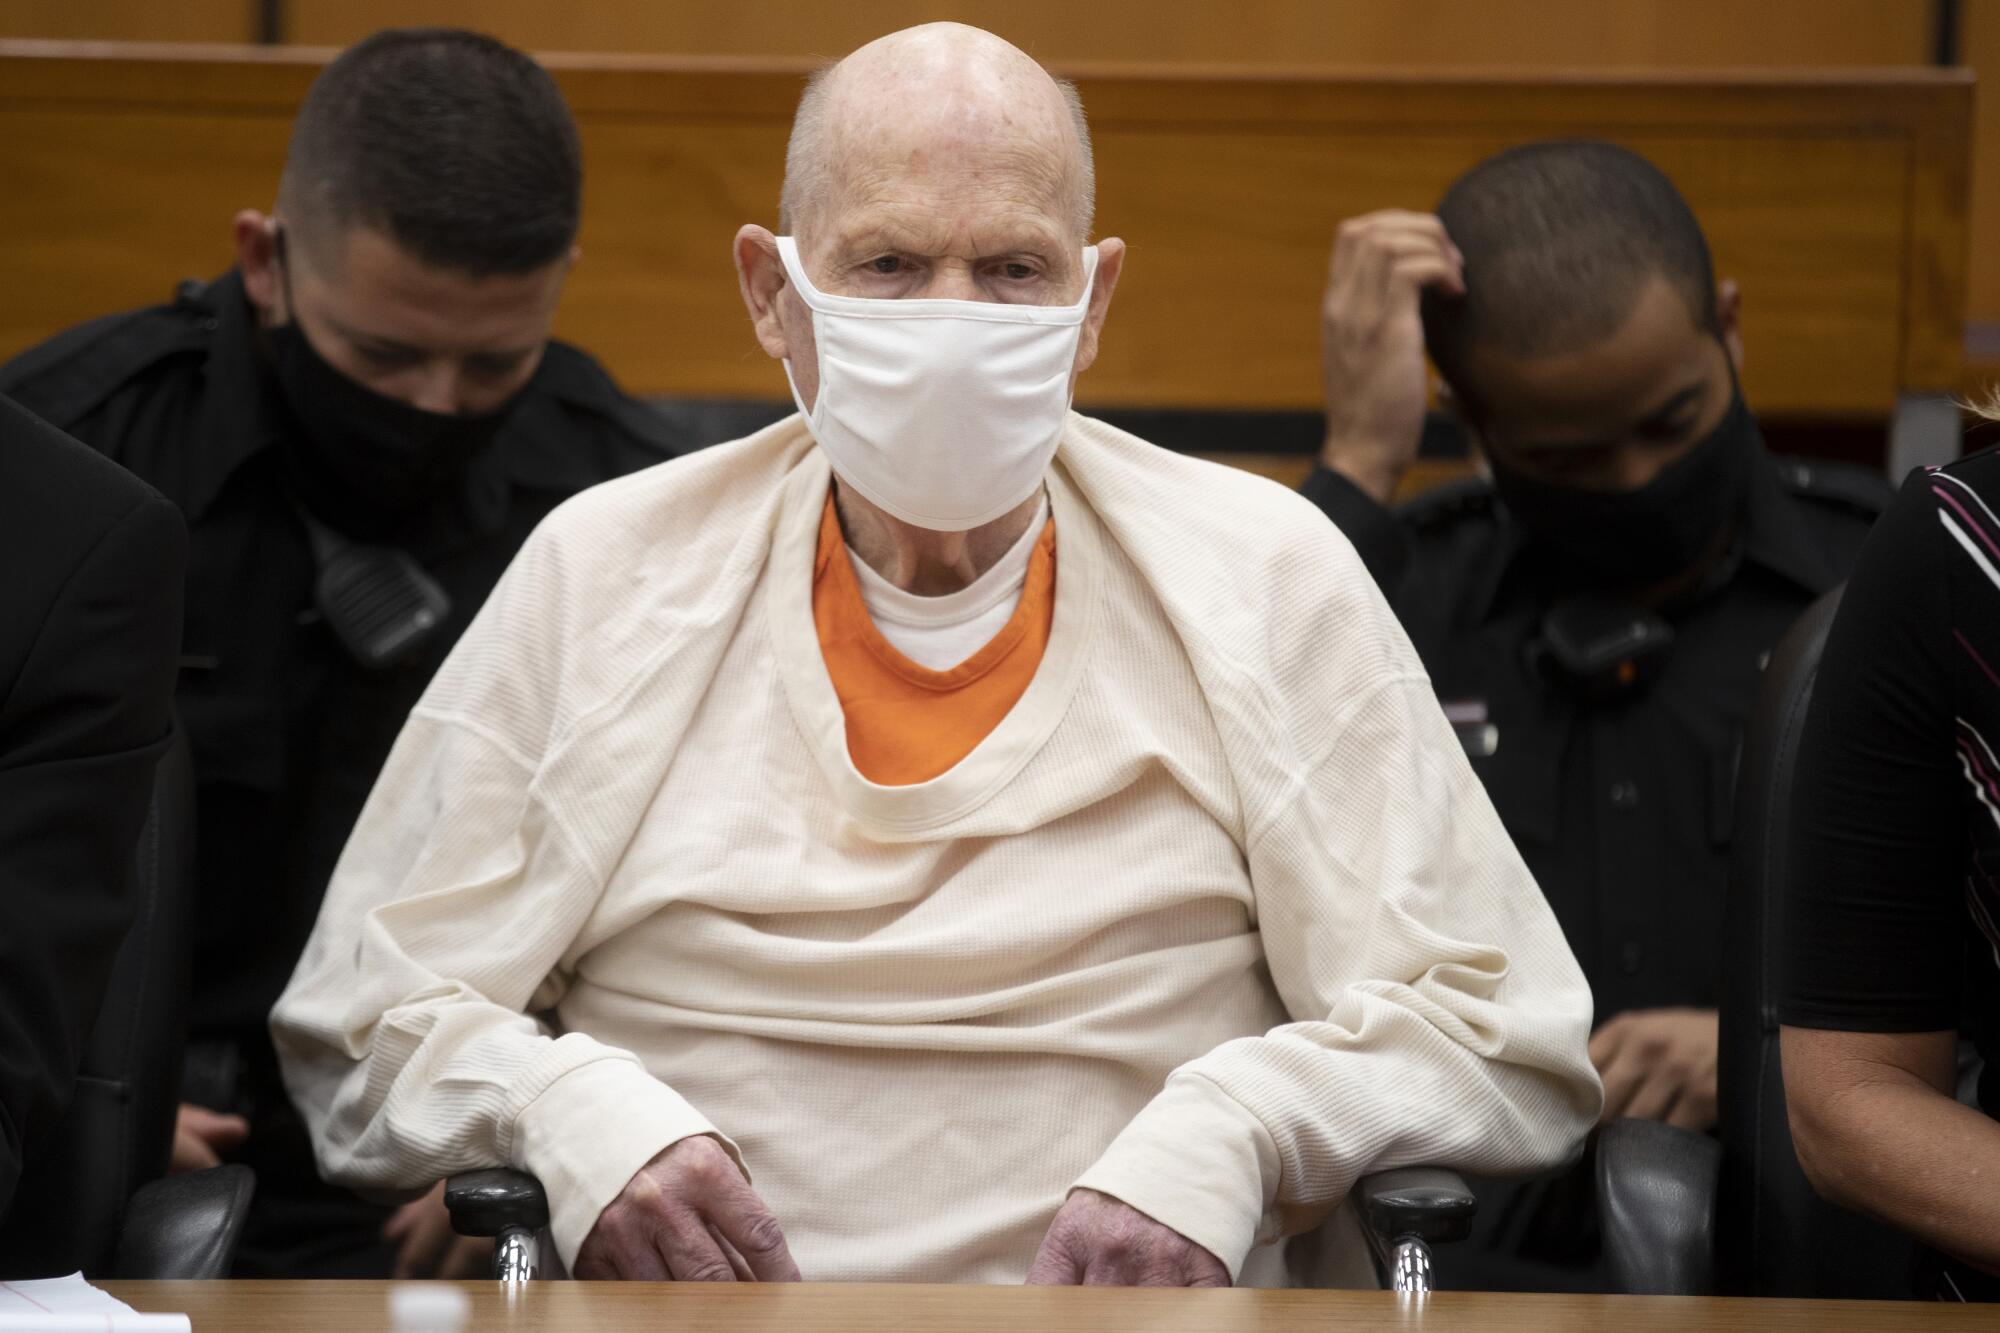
(1097, 1241)
(689, 1216)
(426, 1246)
(1658, 1064)
(1372, 343)
(201, 1136)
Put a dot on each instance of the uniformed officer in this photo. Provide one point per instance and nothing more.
(1594, 614)
(361, 422)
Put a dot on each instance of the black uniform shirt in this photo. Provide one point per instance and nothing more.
(287, 732)
(1622, 806)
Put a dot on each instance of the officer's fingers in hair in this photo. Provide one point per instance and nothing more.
(1416, 272)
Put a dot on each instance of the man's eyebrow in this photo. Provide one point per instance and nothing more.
(381, 343)
(503, 353)
(375, 341)
(1677, 402)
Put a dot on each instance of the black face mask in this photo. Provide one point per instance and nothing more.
(358, 450)
(1628, 538)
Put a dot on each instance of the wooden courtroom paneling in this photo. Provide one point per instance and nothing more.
(1979, 47)
(1486, 34)
(131, 20)
(1838, 202)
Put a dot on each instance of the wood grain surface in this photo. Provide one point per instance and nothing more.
(590, 1307)
(1837, 201)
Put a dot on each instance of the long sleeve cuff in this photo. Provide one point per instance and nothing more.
(1377, 534)
(1197, 1161)
(591, 1131)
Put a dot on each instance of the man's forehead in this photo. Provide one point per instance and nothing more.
(377, 288)
(946, 197)
(1658, 341)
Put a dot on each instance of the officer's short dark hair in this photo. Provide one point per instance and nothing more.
(458, 147)
(1559, 240)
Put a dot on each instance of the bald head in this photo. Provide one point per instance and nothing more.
(940, 99)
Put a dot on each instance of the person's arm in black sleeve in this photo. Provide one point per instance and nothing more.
(1874, 922)
(1380, 538)
(82, 726)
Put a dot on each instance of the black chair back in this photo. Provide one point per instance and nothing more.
(1774, 1235)
(76, 1184)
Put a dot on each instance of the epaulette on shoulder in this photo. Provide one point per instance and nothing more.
(579, 380)
(1452, 502)
(67, 377)
(1860, 490)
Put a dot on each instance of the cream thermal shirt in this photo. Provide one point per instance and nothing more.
(1216, 920)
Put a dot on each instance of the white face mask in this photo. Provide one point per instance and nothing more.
(943, 413)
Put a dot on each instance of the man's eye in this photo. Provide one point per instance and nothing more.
(887, 265)
(386, 358)
(1665, 432)
(1019, 272)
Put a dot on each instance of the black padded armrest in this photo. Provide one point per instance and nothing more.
(185, 1226)
(1656, 1200)
(486, 1203)
(1427, 1202)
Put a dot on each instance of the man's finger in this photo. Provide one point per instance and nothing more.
(218, 1131)
(1621, 1081)
(1055, 1265)
(191, 1154)
(737, 1263)
(1206, 1274)
(637, 1262)
(619, 1247)
(1604, 1042)
(691, 1253)
(418, 1255)
(1421, 271)
(1108, 1270)
(1656, 1095)
(1355, 233)
(747, 1224)
(1689, 1112)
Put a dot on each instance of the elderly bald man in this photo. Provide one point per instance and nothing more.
(940, 837)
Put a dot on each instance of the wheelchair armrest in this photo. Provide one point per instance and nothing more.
(496, 1200)
(1656, 1203)
(185, 1226)
(1426, 1202)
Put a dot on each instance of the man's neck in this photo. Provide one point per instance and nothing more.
(918, 560)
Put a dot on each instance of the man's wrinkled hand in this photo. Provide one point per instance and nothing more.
(688, 1216)
(1372, 342)
(1659, 1064)
(1096, 1241)
(426, 1246)
(201, 1136)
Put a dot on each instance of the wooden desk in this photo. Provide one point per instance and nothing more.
(1837, 199)
(590, 1307)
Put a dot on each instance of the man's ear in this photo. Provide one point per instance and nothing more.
(1728, 320)
(760, 275)
(256, 240)
(1110, 263)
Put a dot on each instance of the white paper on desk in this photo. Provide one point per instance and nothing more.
(67, 1304)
